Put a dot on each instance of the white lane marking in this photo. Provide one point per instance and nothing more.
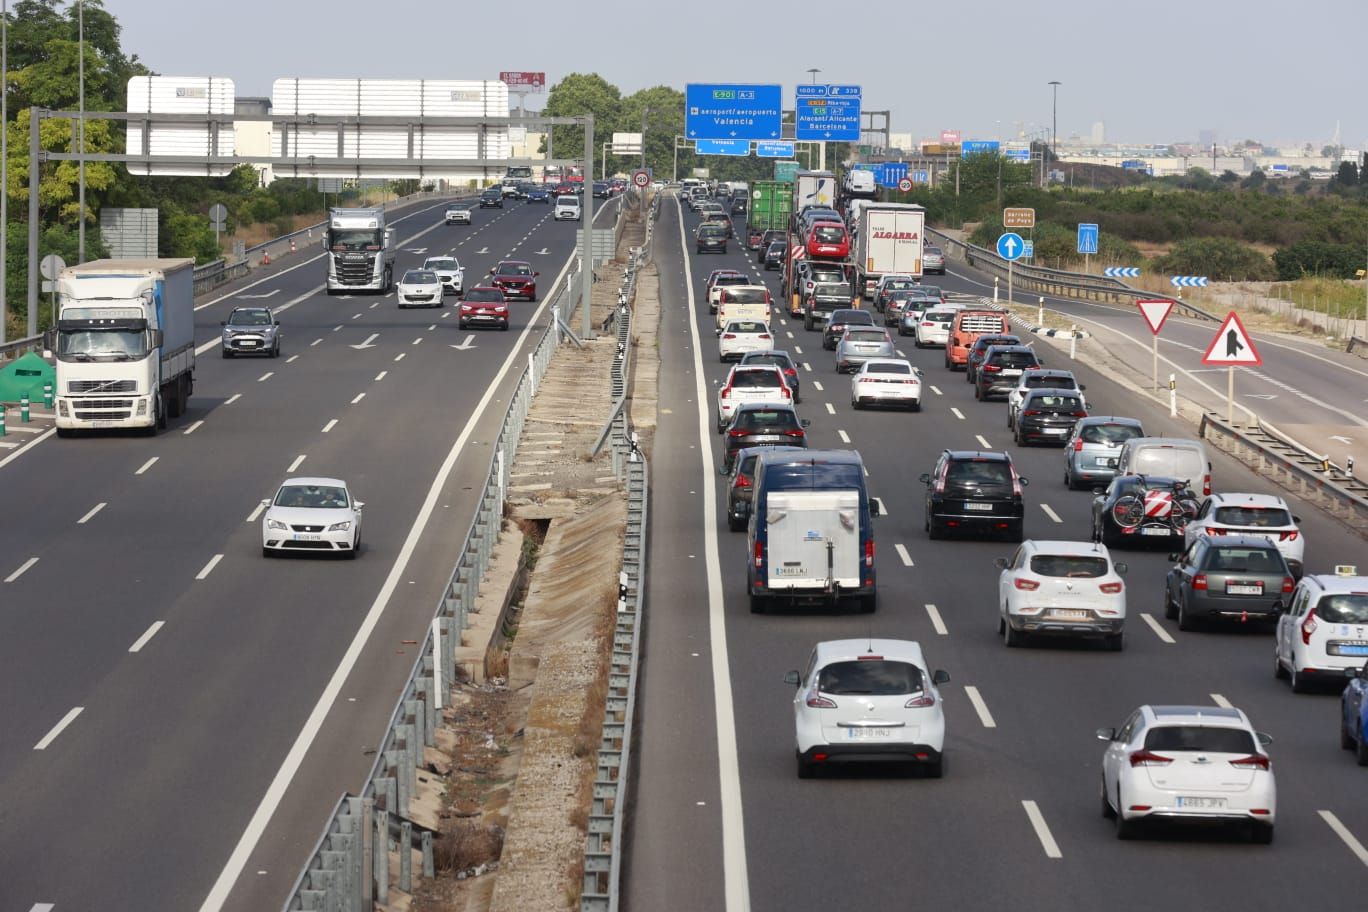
(337, 328)
(256, 513)
(417, 340)
(831, 409)
(359, 397)
(1042, 830)
(806, 366)
(314, 342)
(1050, 513)
(789, 333)
(22, 569)
(936, 621)
(289, 766)
(980, 707)
(233, 398)
(209, 567)
(958, 413)
(294, 465)
(330, 425)
(356, 316)
(1221, 701)
(900, 353)
(735, 879)
(432, 327)
(445, 315)
(23, 449)
(141, 641)
(817, 385)
(375, 305)
(380, 376)
(982, 442)
(845, 438)
(1158, 628)
(292, 359)
(902, 553)
(936, 389)
(266, 376)
(93, 510)
(192, 428)
(878, 502)
(44, 907)
(1347, 837)
(797, 349)
(147, 465)
(399, 357)
(57, 729)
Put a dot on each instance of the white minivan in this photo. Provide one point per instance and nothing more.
(1167, 457)
(568, 208)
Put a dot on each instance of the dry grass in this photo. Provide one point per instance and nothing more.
(465, 843)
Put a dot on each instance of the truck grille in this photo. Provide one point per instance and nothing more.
(75, 387)
(101, 409)
(360, 271)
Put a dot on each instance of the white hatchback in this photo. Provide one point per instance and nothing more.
(886, 381)
(934, 326)
(419, 288)
(868, 700)
(1322, 635)
(567, 208)
(1061, 588)
(741, 336)
(312, 514)
(1264, 515)
(1188, 763)
(750, 383)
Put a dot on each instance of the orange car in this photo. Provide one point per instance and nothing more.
(968, 326)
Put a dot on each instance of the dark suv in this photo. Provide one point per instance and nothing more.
(839, 320)
(491, 198)
(762, 424)
(1001, 370)
(769, 237)
(981, 344)
(1048, 413)
(711, 237)
(975, 491)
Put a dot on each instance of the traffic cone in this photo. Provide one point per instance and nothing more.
(265, 258)
(292, 245)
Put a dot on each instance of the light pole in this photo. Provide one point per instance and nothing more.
(821, 147)
(4, 167)
(1054, 117)
(644, 112)
(80, 46)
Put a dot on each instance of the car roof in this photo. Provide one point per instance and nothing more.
(1248, 500)
(1209, 716)
(1163, 441)
(1110, 419)
(252, 308)
(1335, 584)
(1243, 541)
(313, 480)
(503, 263)
(1047, 372)
(1011, 349)
(767, 351)
(902, 361)
(830, 651)
(487, 288)
(850, 310)
(1062, 547)
(982, 455)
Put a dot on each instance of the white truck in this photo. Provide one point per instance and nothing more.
(813, 188)
(124, 343)
(887, 238)
(360, 251)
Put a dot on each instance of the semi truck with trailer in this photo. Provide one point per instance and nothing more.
(886, 238)
(771, 205)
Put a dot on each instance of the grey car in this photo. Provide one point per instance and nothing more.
(860, 344)
(251, 331)
(1091, 451)
(1241, 578)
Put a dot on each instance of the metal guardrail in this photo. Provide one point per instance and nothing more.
(1355, 342)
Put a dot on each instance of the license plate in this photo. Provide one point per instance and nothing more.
(1055, 430)
(1244, 588)
(982, 507)
(1107, 461)
(1185, 801)
(1353, 649)
(1069, 613)
(1011, 373)
(867, 734)
(103, 424)
(247, 343)
(307, 536)
(1154, 530)
(789, 571)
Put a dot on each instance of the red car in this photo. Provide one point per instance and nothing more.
(828, 240)
(565, 188)
(515, 278)
(484, 305)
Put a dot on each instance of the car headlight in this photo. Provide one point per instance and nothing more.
(340, 526)
(276, 525)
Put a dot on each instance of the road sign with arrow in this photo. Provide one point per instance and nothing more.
(1010, 246)
(1232, 347)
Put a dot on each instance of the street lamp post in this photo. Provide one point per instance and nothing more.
(821, 146)
(1054, 118)
(4, 166)
(80, 45)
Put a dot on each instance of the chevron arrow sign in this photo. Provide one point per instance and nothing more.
(1189, 281)
(1121, 272)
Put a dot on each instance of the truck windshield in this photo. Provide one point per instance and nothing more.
(353, 239)
(101, 344)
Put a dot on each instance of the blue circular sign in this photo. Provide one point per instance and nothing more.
(1010, 246)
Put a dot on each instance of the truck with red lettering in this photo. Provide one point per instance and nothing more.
(886, 238)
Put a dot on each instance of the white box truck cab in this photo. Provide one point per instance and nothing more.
(124, 343)
(810, 534)
(360, 251)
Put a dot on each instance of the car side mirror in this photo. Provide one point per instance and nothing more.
(792, 678)
(223, 322)
(1264, 738)
(535, 274)
(1082, 387)
(1024, 481)
(924, 478)
(1099, 492)
(806, 422)
(873, 507)
(1106, 734)
(1000, 563)
(265, 503)
(360, 504)
(940, 676)
(1297, 520)
(1121, 568)
(1175, 556)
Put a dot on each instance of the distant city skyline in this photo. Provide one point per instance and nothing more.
(1161, 76)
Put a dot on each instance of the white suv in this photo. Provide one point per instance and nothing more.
(864, 700)
(1263, 515)
(567, 208)
(1061, 588)
(1322, 634)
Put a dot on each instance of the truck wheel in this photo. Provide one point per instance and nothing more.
(64, 432)
(757, 604)
(160, 423)
(868, 604)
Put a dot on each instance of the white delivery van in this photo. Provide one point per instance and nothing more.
(742, 302)
(1170, 457)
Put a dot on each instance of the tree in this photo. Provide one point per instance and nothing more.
(576, 95)
(1347, 175)
(1229, 177)
(664, 119)
(1221, 258)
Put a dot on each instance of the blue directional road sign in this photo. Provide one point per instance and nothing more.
(1087, 238)
(1027, 249)
(1010, 246)
(840, 91)
(1121, 272)
(732, 111)
(828, 118)
(889, 173)
(774, 150)
(1017, 155)
(741, 147)
(811, 91)
(1189, 281)
(976, 146)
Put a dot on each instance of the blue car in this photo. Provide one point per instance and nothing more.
(539, 195)
(1354, 715)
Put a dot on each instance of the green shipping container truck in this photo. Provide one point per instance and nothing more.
(771, 205)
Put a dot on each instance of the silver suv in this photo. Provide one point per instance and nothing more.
(251, 331)
(1092, 450)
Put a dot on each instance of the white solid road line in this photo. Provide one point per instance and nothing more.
(845, 438)
(1042, 830)
(330, 425)
(193, 427)
(359, 397)
(256, 513)
(902, 553)
(1221, 701)
(42, 907)
(936, 621)
(24, 449)
(57, 729)
(22, 568)
(289, 765)
(980, 707)
(294, 465)
(93, 510)
(147, 465)
(1158, 628)
(1050, 513)
(831, 409)
(380, 376)
(1347, 837)
(141, 641)
(982, 442)
(209, 567)
(233, 398)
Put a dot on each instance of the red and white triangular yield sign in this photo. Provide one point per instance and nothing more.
(1232, 346)
(1155, 312)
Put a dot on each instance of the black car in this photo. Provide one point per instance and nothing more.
(491, 198)
(1048, 413)
(742, 486)
(774, 254)
(1142, 508)
(781, 360)
(761, 424)
(768, 238)
(602, 190)
(1001, 370)
(711, 237)
(738, 205)
(981, 344)
(838, 321)
(975, 491)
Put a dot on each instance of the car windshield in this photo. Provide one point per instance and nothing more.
(101, 344)
(1014, 359)
(899, 285)
(419, 277)
(852, 318)
(493, 191)
(1069, 565)
(755, 378)
(888, 368)
(249, 318)
(768, 358)
(1114, 434)
(515, 269)
(938, 316)
(1199, 738)
(712, 230)
(969, 473)
(775, 248)
(931, 291)
(983, 342)
(1244, 560)
(747, 326)
(866, 335)
(1052, 380)
(1253, 517)
(483, 296)
(446, 263)
(767, 418)
(872, 677)
(320, 496)
(1350, 608)
(1054, 403)
(829, 234)
(928, 250)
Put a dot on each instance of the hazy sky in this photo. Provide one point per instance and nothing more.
(1154, 71)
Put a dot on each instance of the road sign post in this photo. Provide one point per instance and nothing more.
(1010, 247)
(1231, 348)
(1155, 312)
(1087, 242)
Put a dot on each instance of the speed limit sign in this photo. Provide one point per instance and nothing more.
(641, 177)
(905, 184)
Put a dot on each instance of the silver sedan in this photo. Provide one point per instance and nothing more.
(860, 344)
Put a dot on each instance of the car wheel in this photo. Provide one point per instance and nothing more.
(1010, 424)
(275, 350)
(227, 353)
(1185, 620)
(936, 768)
(916, 405)
(1361, 749)
(267, 552)
(855, 403)
(978, 392)
(1018, 532)
(1108, 812)
(1116, 642)
(1300, 684)
(933, 529)
(869, 604)
(1170, 609)
(1125, 829)
(1069, 480)
(1279, 671)
(1012, 638)
(805, 769)
(1261, 834)
(734, 524)
(460, 324)
(757, 604)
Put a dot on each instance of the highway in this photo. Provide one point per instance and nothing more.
(719, 819)
(178, 708)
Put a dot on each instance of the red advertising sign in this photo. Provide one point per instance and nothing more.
(950, 137)
(534, 82)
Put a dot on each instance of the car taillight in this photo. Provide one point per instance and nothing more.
(1287, 536)
(731, 336)
(1148, 758)
(1110, 588)
(809, 286)
(1287, 585)
(1078, 445)
(795, 432)
(1308, 627)
(1206, 485)
(726, 392)
(921, 701)
(742, 481)
(1078, 414)
(738, 432)
(869, 552)
(1199, 581)
(1216, 531)
(1253, 761)
(1030, 412)
(790, 372)
(990, 368)
(1025, 585)
(764, 335)
(817, 701)
(926, 323)
(759, 555)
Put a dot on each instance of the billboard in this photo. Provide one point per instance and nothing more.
(180, 95)
(524, 82)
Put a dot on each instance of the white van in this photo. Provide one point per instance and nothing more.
(1170, 457)
(568, 208)
(742, 302)
(859, 182)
